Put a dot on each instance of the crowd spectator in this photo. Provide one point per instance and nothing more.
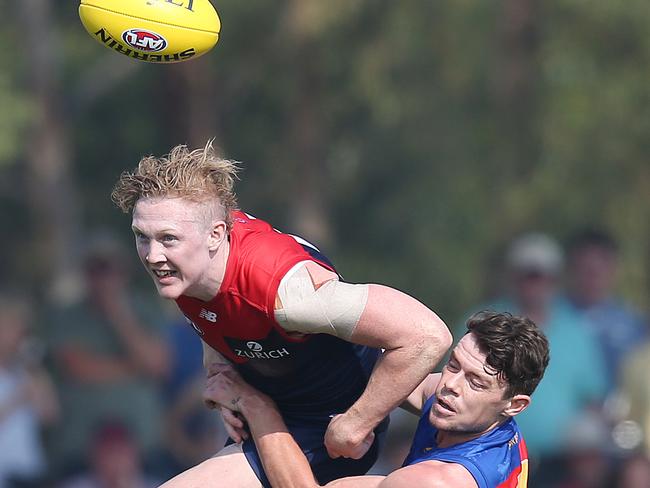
(110, 356)
(590, 453)
(574, 380)
(27, 397)
(114, 462)
(592, 270)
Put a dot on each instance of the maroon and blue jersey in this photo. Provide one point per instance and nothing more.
(305, 375)
(497, 459)
(311, 377)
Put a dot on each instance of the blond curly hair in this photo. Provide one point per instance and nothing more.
(198, 175)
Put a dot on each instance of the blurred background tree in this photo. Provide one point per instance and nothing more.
(410, 139)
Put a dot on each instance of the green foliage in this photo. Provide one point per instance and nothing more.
(15, 108)
(432, 153)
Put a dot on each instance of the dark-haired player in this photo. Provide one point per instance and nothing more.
(467, 435)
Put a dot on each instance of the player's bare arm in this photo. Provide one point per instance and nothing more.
(233, 423)
(418, 397)
(285, 463)
(211, 357)
(414, 339)
(428, 474)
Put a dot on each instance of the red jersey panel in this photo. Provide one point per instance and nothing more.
(318, 375)
(239, 322)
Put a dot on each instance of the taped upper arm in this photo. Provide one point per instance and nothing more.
(312, 300)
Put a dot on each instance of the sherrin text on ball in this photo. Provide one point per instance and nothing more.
(155, 31)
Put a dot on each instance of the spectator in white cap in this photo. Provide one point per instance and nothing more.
(534, 264)
(574, 380)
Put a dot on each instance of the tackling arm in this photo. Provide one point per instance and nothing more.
(284, 463)
(213, 361)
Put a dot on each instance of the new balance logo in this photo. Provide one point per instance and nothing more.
(207, 315)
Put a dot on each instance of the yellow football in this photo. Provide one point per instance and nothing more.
(156, 31)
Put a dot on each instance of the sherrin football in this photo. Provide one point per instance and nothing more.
(156, 31)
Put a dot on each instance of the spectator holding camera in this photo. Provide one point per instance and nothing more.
(27, 397)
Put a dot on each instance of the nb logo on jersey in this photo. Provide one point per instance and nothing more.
(207, 315)
(254, 346)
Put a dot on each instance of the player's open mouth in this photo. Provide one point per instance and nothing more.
(161, 274)
(445, 405)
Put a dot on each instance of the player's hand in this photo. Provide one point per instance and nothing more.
(344, 439)
(224, 389)
(234, 424)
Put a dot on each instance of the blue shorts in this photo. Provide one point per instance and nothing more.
(309, 436)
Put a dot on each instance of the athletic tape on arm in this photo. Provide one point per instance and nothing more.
(334, 308)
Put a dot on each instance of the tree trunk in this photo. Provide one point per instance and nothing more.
(306, 135)
(51, 194)
(191, 104)
(516, 83)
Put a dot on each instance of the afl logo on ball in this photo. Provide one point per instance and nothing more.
(144, 40)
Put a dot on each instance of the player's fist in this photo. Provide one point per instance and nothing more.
(345, 439)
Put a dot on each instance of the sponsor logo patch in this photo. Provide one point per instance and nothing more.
(256, 352)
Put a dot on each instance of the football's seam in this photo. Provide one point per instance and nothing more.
(149, 20)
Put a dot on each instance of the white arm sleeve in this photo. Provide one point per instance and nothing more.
(334, 308)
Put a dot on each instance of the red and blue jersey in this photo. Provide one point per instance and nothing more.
(306, 375)
(497, 459)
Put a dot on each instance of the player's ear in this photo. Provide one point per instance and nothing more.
(218, 234)
(516, 405)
